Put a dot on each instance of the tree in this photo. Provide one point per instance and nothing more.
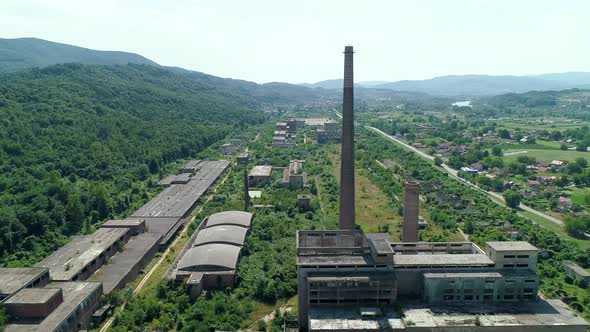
(497, 151)
(438, 161)
(469, 226)
(512, 198)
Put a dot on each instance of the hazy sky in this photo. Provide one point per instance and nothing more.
(301, 41)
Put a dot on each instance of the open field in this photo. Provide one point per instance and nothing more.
(531, 124)
(578, 195)
(373, 208)
(558, 230)
(547, 155)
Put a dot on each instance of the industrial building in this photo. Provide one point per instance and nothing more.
(82, 256)
(259, 175)
(51, 296)
(229, 148)
(211, 260)
(293, 176)
(349, 280)
(58, 306)
(576, 271)
(329, 133)
(14, 279)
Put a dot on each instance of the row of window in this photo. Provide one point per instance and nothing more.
(488, 297)
(516, 256)
(515, 265)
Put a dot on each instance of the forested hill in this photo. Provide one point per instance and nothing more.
(79, 142)
(21, 53)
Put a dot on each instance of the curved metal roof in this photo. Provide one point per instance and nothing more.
(237, 218)
(210, 257)
(228, 234)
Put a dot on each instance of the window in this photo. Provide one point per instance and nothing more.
(490, 281)
(522, 265)
(487, 297)
(522, 256)
(530, 280)
(488, 291)
(468, 297)
(468, 291)
(508, 265)
(508, 256)
(509, 290)
(528, 290)
(449, 291)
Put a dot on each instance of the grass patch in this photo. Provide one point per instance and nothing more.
(547, 155)
(555, 228)
(373, 208)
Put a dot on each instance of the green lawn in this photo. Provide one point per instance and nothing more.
(547, 155)
(578, 195)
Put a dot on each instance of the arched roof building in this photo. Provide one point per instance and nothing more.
(236, 218)
(224, 234)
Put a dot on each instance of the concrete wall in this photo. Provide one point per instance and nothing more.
(513, 259)
(474, 290)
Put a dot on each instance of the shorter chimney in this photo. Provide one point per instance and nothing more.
(411, 212)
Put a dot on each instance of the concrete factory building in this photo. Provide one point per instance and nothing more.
(349, 280)
(259, 174)
(212, 260)
(14, 279)
(59, 306)
(293, 176)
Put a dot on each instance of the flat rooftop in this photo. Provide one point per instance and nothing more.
(74, 294)
(131, 222)
(462, 275)
(123, 262)
(526, 314)
(165, 226)
(406, 261)
(33, 295)
(350, 319)
(511, 246)
(191, 164)
(67, 261)
(575, 267)
(178, 199)
(335, 260)
(14, 278)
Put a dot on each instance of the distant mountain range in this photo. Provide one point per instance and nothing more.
(21, 53)
(475, 85)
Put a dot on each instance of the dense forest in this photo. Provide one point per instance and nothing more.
(82, 143)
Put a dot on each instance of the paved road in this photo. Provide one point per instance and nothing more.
(453, 173)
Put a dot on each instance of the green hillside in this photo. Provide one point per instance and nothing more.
(81, 143)
(21, 53)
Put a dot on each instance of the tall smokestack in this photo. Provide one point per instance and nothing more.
(347, 155)
(411, 211)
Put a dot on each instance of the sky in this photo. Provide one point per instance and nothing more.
(302, 40)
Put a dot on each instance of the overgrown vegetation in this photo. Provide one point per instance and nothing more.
(79, 144)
